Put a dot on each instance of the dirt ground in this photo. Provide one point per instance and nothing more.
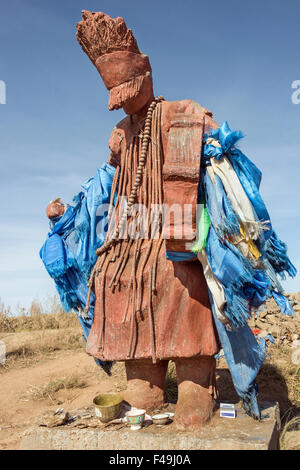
(35, 382)
(19, 400)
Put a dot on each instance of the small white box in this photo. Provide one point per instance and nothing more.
(227, 413)
(227, 410)
(227, 406)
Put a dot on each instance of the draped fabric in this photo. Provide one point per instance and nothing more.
(244, 357)
(242, 256)
(215, 287)
(69, 253)
(229, 183)
(91, 220)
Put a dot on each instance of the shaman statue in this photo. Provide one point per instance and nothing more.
(157, 297)
(150, 309)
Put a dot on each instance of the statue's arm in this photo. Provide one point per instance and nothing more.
(184, 127)
(115, 142)
(184, 124)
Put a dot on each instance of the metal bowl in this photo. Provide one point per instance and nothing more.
(108, 406)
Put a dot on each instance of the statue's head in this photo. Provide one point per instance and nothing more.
(55, 209)
(113, 49)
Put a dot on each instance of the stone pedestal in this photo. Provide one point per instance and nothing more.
(241, 433)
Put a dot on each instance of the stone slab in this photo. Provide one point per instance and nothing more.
(241, 433)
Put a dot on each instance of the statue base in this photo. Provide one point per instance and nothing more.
(240, 433)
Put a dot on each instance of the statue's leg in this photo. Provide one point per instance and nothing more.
(145, 383)
(196, 391)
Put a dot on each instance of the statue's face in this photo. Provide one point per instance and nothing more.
(145, 96)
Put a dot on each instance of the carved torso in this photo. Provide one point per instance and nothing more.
(146, 305)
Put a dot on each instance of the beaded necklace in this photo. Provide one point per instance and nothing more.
(147, 185)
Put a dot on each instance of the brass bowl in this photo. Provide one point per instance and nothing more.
(108, 406)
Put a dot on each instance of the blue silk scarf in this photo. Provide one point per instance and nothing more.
(69, 253)
(245, 286)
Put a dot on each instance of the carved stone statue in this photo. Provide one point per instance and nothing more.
(125, 257)
(150, 309)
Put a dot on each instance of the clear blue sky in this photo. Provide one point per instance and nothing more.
(237, 59)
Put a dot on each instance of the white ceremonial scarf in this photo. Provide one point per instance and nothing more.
(236, 195)
(214, 286)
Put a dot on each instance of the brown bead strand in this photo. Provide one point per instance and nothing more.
(133, 287)
(109, 243)
(138, 178)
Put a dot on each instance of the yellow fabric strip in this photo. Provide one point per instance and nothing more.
(252, 247)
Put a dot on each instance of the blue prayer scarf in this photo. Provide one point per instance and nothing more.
(248, 285)
(244, 286)
(69, 253)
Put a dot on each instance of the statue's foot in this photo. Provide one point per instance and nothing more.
(145, 384)
(196, 392)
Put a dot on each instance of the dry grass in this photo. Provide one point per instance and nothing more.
(285, 372)
(49, 390)
(36, 334)
(171, 388)
(291, 424)
(24, 348)
(37, 322)
(39, 317)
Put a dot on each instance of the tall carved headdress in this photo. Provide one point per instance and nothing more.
(113, 49)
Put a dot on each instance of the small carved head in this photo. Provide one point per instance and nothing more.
(113, 49)
(55, 208)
